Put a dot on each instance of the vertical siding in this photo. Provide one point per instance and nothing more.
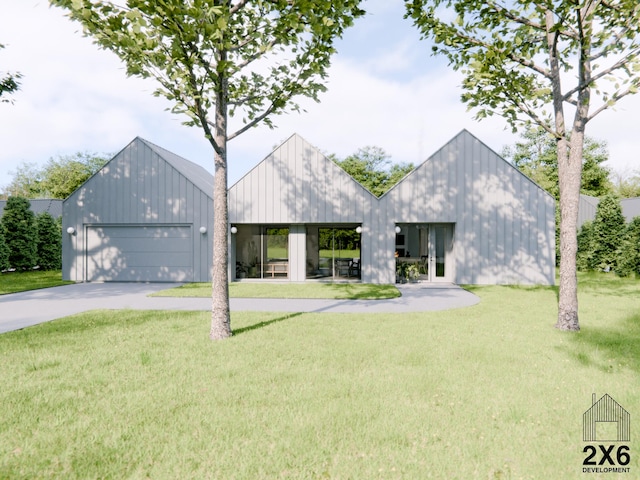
(136, 187)
(503, 221)
(297, 184)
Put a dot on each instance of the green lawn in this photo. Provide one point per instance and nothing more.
(356, 291)
(12, 282)
(490, 391)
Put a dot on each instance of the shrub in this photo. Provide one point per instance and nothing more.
(20, 233)
(629, 258)
(607, 232)
(583, 258)
(4, 252)
(49, 244)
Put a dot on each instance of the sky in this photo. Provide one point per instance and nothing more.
(384, 90)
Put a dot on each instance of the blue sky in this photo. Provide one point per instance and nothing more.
(385, 90)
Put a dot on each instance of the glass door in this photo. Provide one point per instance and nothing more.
(436, 246)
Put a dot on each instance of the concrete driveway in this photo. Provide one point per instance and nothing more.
(20, 310)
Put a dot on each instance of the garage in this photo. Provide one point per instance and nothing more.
(144, 217)
(160, 253)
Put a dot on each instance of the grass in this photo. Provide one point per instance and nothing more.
(354, 291)
(13, 282)
(491, 391)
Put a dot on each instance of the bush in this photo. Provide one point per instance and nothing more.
(20, 233)
(607, 232)
(4, 252)
(583, 258)
(629, 258)
(49, 244)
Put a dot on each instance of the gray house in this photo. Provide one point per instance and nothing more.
(145, 216)
(465, 216)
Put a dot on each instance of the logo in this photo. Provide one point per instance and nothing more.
(608, 425)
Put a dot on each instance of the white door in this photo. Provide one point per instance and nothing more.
(436, 246)
(136, 253)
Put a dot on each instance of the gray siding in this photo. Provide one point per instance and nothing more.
(138, 187)
(587, 207)
(504, 223)
(630, 208)
(297, 184)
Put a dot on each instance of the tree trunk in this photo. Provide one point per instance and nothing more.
(569, 173)
(220, 314)
(570, 176)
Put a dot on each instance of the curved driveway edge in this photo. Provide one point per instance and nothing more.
(20, 310)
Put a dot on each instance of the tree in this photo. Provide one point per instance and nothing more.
(606, 235)
(626, 183)
(20, 233)
(4, 252)
(49, 243)
(537, 157)
(58, 178)
(516, 58)
(629, 259)
(9, 83)
(219, 58)
(373, 169)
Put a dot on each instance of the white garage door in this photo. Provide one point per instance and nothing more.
(162, 253)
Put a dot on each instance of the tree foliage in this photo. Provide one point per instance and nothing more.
(49, 242)
(606, 235)
(4, 251)
(20, 233)
(58, 178)
(9, 83)
(536, 156)
(517, 59)
(373, 169)
(629, 258)
(213, 59)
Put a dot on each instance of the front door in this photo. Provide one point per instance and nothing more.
(436, 247)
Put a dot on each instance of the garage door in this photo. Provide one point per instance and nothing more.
(161, 253)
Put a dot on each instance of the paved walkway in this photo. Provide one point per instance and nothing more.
(20, 310)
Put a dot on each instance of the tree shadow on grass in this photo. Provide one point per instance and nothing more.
(608, 349)
(265, 323)
(363, 291)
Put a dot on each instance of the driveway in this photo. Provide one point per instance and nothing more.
(20, 310)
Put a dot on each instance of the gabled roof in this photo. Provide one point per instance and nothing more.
(196, 174)
(297, 183)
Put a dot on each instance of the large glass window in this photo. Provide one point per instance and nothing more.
(262, 252)
(333, 252)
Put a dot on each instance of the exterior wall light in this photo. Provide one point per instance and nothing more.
(358, 229)
(203, 230)
(71, 230)
(398, 229)
(234, 230)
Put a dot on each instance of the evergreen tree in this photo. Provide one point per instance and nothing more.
(585, 252)
(607, 233)
(4, 252)
(629, 259)
(49, 244)
(20, 233)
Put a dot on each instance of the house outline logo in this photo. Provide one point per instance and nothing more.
(606, 410)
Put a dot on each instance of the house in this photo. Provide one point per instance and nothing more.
(145, 216)
(588, 206)
(465, 215)
(53, 206)
(606, 421)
